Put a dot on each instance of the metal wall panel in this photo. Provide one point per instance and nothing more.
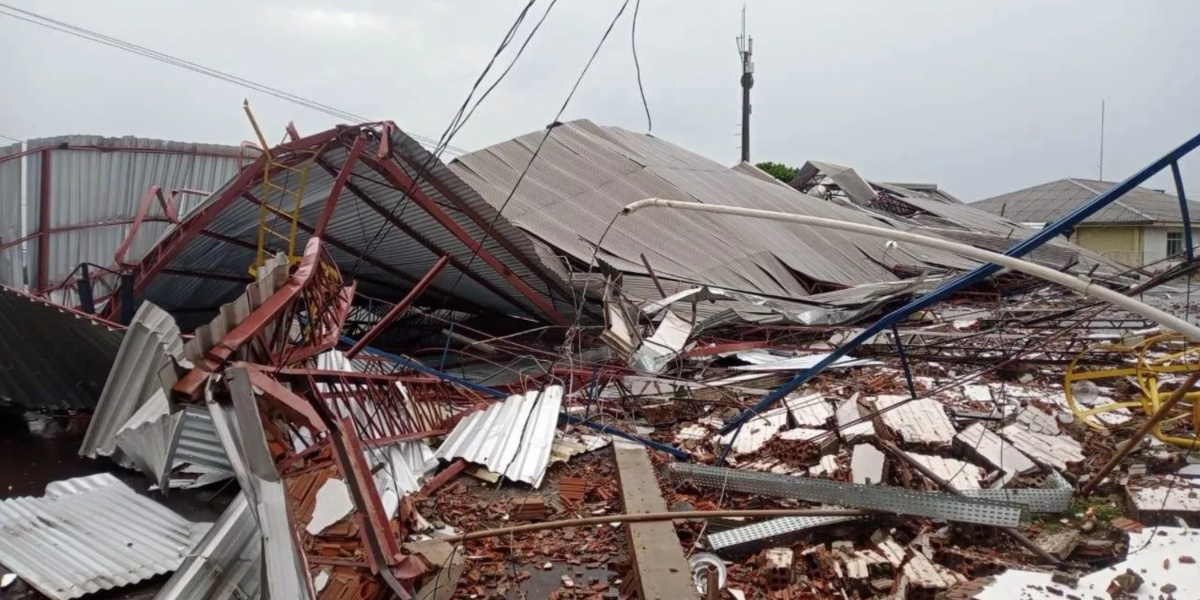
(10, 217)
(95, 180)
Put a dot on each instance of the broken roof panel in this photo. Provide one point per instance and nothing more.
(1050, 201)
(585, 174)
(53, 358)
(90, 534)
(202, 270)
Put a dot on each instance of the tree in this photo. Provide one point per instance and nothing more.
(779, 171)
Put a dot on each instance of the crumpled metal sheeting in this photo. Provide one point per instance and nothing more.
(512, 438)
(241, 432)
(152, 339)
(90, 534)
(584, 171)
(149, 445)
(227, 563)
(35, 370)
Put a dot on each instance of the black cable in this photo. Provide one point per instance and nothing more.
(9, 137)
(538, 149)
(637, 66)
(456, 124)
(119, 44)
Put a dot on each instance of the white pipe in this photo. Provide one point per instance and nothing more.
(1082, 286)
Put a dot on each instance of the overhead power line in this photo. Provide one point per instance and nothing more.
(119, 44)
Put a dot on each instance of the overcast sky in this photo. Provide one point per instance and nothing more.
(980, 97)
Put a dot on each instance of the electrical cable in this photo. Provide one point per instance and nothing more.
(119, 44)
(638, 66)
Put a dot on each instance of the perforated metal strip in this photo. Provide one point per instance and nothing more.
(767, 533)
(933, 505)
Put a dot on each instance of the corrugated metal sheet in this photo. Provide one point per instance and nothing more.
(227, 563)
(355, 224)
(10, 218)
(147, 441)
(90, 186)
(90, 534)
(151, 340)
(198, 443)
(585, 174)
(52, 358)
(512, 438)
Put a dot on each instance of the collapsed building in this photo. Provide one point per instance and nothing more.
(397, 359)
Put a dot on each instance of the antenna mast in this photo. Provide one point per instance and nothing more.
(745, 51)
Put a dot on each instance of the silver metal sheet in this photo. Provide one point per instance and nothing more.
(512, 438)
(585, 174)
(151, 340)
(227, 563)
(90, 534)
(36, 371)
(933, 505)
(99, 182)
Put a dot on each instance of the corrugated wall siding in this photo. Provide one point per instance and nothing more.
(98, 181)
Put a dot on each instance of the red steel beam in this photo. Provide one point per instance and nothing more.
(344, 247)
(78, 226)
(398, 309)
(43, 243)
(483, 224)
(401, 180)
(436, 250)
(338, 183)
(191, 385)
(155, 192)
(287, 401)
(173, 244)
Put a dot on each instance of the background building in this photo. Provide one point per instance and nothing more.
(1141, 228)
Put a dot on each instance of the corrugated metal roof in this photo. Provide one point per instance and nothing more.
(1051, 201)
(151, 340)
(355, 224)
(96, 180)
(512, 438)
(52, 358)
(227, 563)
(585, 174)
(90, 534)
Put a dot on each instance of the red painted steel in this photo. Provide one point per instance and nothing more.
(399, 178)
(168, 208)
(43, 242)
(338, 183)
(399, 308)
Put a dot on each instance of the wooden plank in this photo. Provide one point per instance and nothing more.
(662, 572)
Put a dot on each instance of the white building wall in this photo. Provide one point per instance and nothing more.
(1154, 242)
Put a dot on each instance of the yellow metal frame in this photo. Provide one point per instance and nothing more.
(279, 210)
(1146, 371)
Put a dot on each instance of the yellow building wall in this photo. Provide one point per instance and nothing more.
(1121, 244)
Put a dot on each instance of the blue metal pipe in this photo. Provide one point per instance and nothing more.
(908, 377)
(405, 361)
(966, 279)
(602, 428)
(1183, 210)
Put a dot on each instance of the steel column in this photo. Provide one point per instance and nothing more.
(1183, 211)
(43, 242)
(399, 308)
(400, 179)
(338, 183)
(967, 279)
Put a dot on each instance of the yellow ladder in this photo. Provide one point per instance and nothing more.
(281, 201)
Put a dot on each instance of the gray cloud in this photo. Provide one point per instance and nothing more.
(980, 97)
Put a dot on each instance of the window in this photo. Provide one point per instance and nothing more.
(1174, 243)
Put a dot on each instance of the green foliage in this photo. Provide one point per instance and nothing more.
(779, 171)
